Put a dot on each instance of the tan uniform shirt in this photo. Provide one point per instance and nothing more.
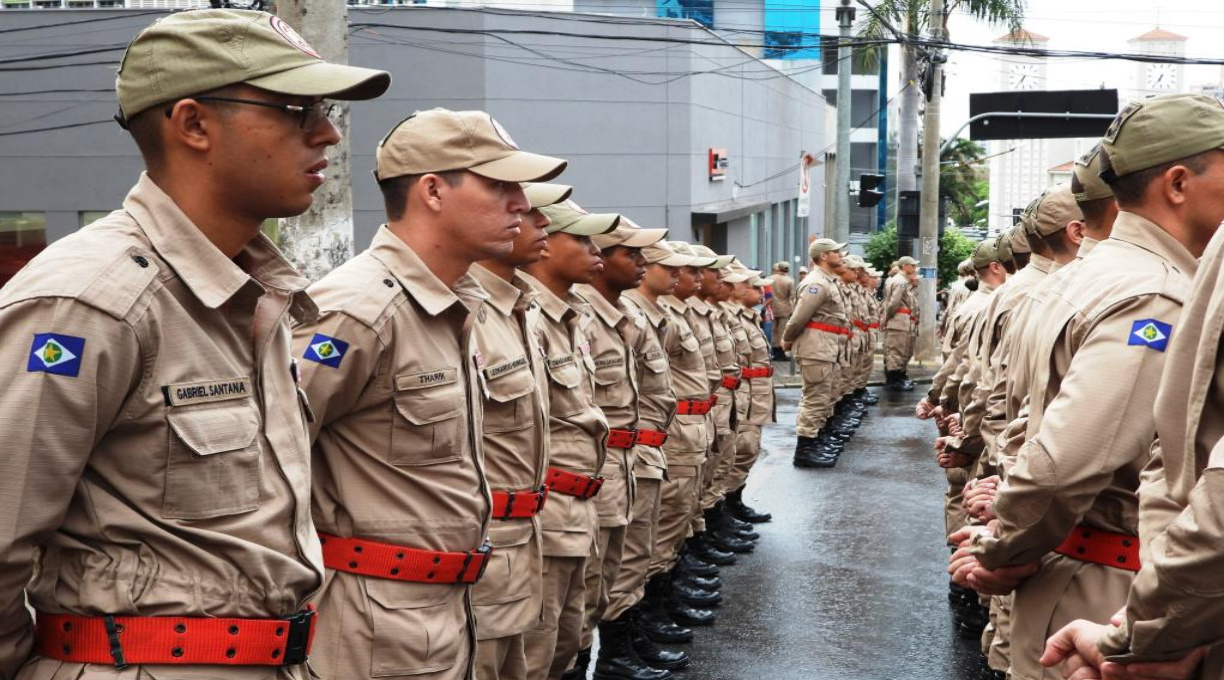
(157, 459)
(1175, 604)
(897, 295)
(577, 427)
(957, 294)
(742, 348)
(508, 600)
(967, 317)
(820, 301)
(726, 362)
(615, 338)
(688, 438)
(398, 453)
(783, 295)
(1091, 426)
(656, 397)
(760, 409)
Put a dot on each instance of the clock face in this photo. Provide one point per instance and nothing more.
(1161, 77)
(1023, 77)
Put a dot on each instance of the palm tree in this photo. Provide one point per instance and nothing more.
(911, 18)
(960, 179)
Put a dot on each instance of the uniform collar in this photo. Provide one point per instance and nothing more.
(608, 312)
(1138, 231)
(698, 305)
(1086, 246)
(673, 303)
(503, 294)
(732, 308)
(207, 272)
(1040, 263)
(554, 307)
(654, 314)
(418, 282)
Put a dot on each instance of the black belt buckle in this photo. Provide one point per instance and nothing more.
(297, 642)
(542, 496)
(486, 551)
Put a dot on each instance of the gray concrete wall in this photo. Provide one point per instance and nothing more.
(635, 129)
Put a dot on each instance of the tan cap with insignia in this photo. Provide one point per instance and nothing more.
(629, 235)
(1150, 132)
(824, 245)
(1055, 209)
(986, 252)
(736, 272)
(540, 194)
(1086, 182)
(855, 262)
(720, 261)
(190, 53)
(783, 265)
(569, 218)
(439, 140)
(1017, 236)
(659, 253)
(1003, 248)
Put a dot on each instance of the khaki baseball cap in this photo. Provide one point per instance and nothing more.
(1055, 209)
(736, 272)
(901, 262)
(986, 252)
(824, 245)
(440, 140)
(190, 53)
(855, 262)
(628, 234)
(720, 261)
(540, 194)
(1159, 130)
(1003, 249)
(783, 265)
(762, 281)
(659, 253)
(1086, 182)
(685, 249)
(568, 217)
(1017, 236)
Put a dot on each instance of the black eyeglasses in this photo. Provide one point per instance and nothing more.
(309, 117)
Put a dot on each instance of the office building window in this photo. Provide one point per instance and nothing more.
(22, 236)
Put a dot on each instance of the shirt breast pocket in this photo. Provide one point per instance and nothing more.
(213, 459)
(565, 376)
(508, 396)
(428, 423)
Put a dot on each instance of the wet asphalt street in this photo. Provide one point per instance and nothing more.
(848, 580)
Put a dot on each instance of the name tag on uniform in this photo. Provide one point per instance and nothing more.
(558, 362)
(417, 381)
(654, 354)
(206, 391)
(508, 367)
(609, 362)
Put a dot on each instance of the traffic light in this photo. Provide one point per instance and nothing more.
(869, 190)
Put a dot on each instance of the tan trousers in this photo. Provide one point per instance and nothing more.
(555, 642)
(630, 583)
(820, 381)
(747, 450)
(897, 349)
(601, 570)
(779, 325)
(676, 503)
(501, 659)
(717, 469)
(996, 640)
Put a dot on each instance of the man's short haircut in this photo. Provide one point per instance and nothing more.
(1094, 211)
(1129, 189)
(396, 189)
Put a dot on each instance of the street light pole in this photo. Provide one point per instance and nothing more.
(841, 195)
(928, 217)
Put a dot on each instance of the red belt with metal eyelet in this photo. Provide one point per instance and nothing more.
(651, 438)
(518, 504)
(861, 325)
(713, 400)
(762, 372)
(874, 325)
(121, 641)
(622, 439)
(686, 407)
(836, 330)
(400, 563)
(1089, 544)
(903, 310)
(731, 382)
(570, 484)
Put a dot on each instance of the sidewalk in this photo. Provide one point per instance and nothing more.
(786, 373)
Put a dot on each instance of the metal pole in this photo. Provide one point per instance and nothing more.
(928, 219)
(321, 239)
(841, 193)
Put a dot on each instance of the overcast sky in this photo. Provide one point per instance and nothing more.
(1099, 25)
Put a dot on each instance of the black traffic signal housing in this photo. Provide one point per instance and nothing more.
(869, 190)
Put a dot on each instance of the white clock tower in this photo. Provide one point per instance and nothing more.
(1018, 170)
(1151, 79)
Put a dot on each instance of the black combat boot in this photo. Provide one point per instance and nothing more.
(647, 650)
(682, 613)
(719, 536)
(617, 660)
(695, 565)
(691, 594)
(706, 551)
(653, 619)
(703, 582)
(904, 382)
(868, 397)
(742, 529)
(813, 454)
(581, 663)
(735, 503)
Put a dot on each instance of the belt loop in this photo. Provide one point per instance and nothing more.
(112, 636)
(509, 511)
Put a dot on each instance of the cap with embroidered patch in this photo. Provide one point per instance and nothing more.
(629, 235)
(440, 140)
(985, 253)
(540, 194)
(824, 245)
(569, 218)
(1086, 182)
(190, 53)
(720, 261)
(1150, 132)
(1055, 208)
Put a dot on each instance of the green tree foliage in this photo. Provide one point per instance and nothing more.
(881, 251)
(961, 179)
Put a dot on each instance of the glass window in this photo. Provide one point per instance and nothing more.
(22, 236)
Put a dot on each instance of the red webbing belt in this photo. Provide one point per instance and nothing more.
(124, 640)
(903, 310)
(875, 324)
(836, 330)
(651, 438)
(400, 563)
(570, 484)
(731, 382)
(687, 407)
(518, 504)
(621, 439)
(762, 372)
(1088, 544)
(861, 325)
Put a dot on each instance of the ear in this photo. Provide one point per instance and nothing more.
(1173, 184)
(430, 191)
(191, 124)
(1075, 231)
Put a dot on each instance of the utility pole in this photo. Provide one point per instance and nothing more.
(321, 239)
(841, 195)
(928, 217)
